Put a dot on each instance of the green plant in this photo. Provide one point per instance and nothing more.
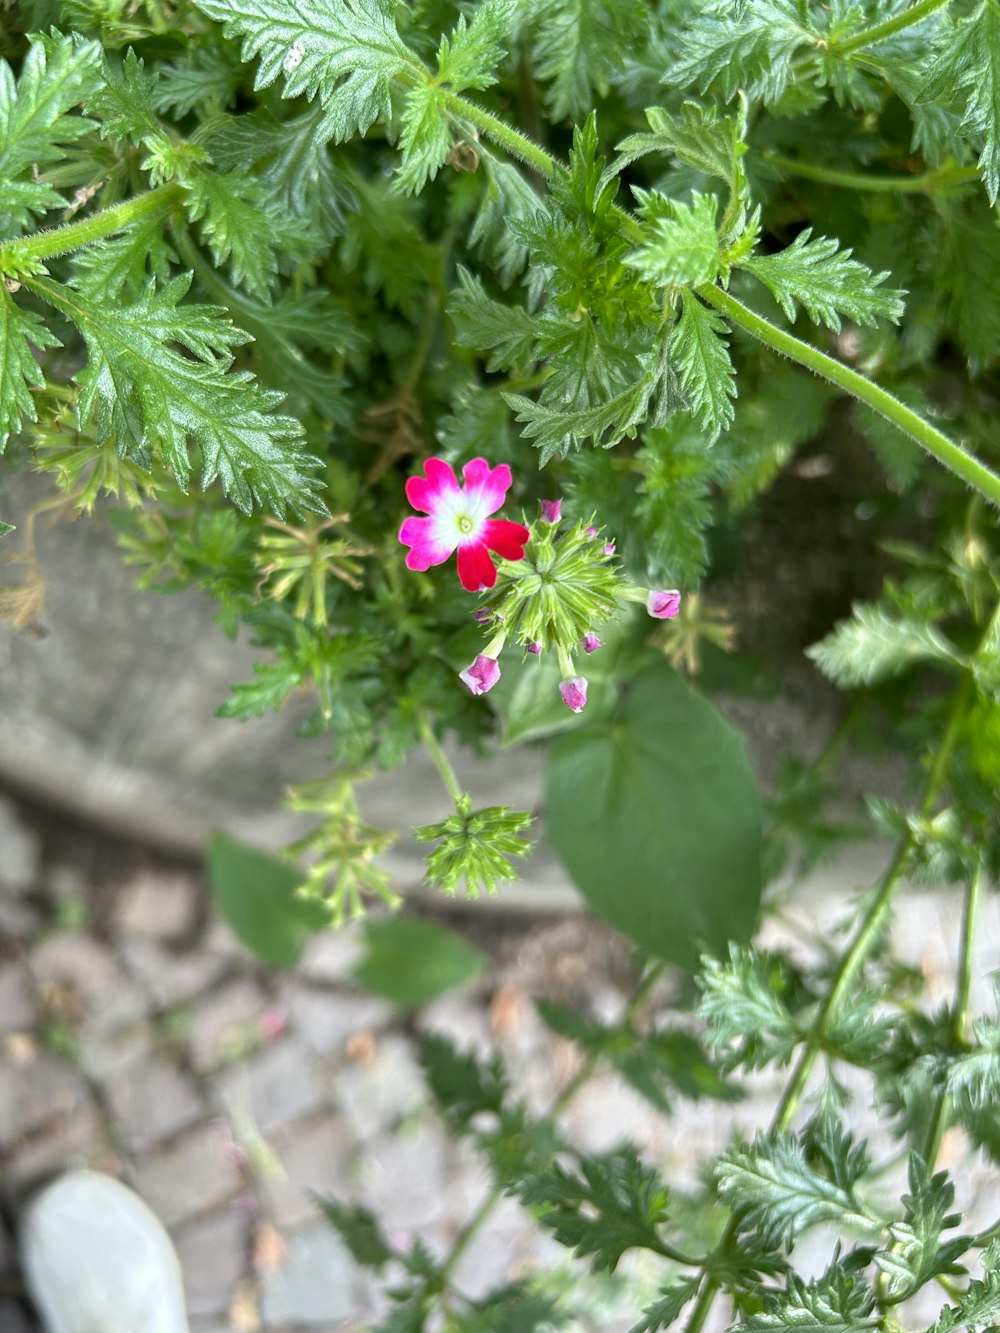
(672, 246)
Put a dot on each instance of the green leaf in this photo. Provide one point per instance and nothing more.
(969, 65)
(742, 1003)
(411, 962)
(837, 1303)
(469, 56)
(36, 123)
(475, 847)
(237, 226)
(149, 395)
(559, 430)
(612, 1203)
(257, 895)
(5, 528)
(273, 683)
(917, 1255)
(514, 1308)
(462, 1086)
(19, 371)
(700, 354)
(359, 1229)
(506, 331)
(778, 1194)
(748, 48)
(346, 52)
(682, 247)
(827, 282)
(633, 813)
(121, 266)
(425, 140)
(667, 1310)
(579, 46)
(875, 644)
(979, 1305)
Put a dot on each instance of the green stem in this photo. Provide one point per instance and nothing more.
(860, 946)
(928, 182)
(519, 145)
(59, 240)
(448, 774)
(878, 32)
(937, 444)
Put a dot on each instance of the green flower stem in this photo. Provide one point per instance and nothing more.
(59, 240)
(878, 32)
(482, 1213)
(937, 444)
(861, 945)
(448, 774)
(519, 145)
(960, 1012)
(928, 182)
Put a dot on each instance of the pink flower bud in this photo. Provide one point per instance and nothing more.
(273, 1024)
(482, 675)
(552, 510)
(590, 532)
(609, 548)
(533, 647)
(590, 642)
(574, 693)
(484, 615)
(663, 605)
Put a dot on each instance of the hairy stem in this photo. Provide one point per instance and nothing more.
(448, 775)
(517, 144)
(878, 32)
(60, 240)
(860, 946)
(928, 182)
(933, 441)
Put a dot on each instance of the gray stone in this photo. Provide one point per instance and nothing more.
(508, 1246)
(151, 1100)
(317, 1284)
(102, 1053)
(376, 1094)
(13, 1318)
(19, 850)
(193, 1175)
(403, 1175)
(18, 1010)
(76, 1137)
(35, 1088)
(278, 1086)
(213, 1253)
(19, 920)
(158, 903)
(466, 1025)
(314, 1158)
(328, 1019)
(226, 1024)
(82, 980)
(331, 955)
(169, 978)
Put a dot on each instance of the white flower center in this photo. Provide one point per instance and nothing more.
(459, 518)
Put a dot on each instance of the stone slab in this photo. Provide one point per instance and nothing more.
(157, 903)
(275, 1088)
(213, 1254)
(84, 981)
(226, 1024)
(314, 1158)
(37, 1087)
(151, 1099)
(18, 1010)
(20, 853)
(194, 1174)
(317, 1286)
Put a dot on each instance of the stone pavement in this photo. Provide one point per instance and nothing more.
(138, 1037)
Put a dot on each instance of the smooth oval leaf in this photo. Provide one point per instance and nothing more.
(411, 962)
(256, 893)
(656, 817)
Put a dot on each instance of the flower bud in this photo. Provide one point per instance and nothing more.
(533, 647)
(663, 605)
(590, 642)
(482, 675)
(609, 548)
(574, 693)
(551, 511)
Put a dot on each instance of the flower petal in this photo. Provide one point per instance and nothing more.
(492, 483)
(428, 549)
(426, 493)
(475, 568)
(482, 675)
(506, 538)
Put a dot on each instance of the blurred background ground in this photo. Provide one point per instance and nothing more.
(137, 1036)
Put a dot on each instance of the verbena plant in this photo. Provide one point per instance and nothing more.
(271, 271)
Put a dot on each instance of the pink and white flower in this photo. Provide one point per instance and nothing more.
(482, 675)
(590, 642)
(663, 604)
(459, 519)
(574, 693)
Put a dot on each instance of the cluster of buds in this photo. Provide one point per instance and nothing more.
(553, 587)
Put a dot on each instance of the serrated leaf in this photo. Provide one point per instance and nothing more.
(121, 266)
(979, 1305)
(268, 692)
(236, 225)
(917, 1254)
(514, 1308)
(5, 528)
(507, 332)
(20, 329)
(875, 644)
(748, 48)
(462, 1085)
(558, 431)
(151, 397)
(969, 65)
(579, 46)
(826, 281)
(667, 1310)
(346, 52)
(701, 357)
(37, 121)
(742, 1003)
(469, 56)
(841, 1304)
(425, 140)
(508, 198)
(359, 1229)
(682, 247)
(778, 1194)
